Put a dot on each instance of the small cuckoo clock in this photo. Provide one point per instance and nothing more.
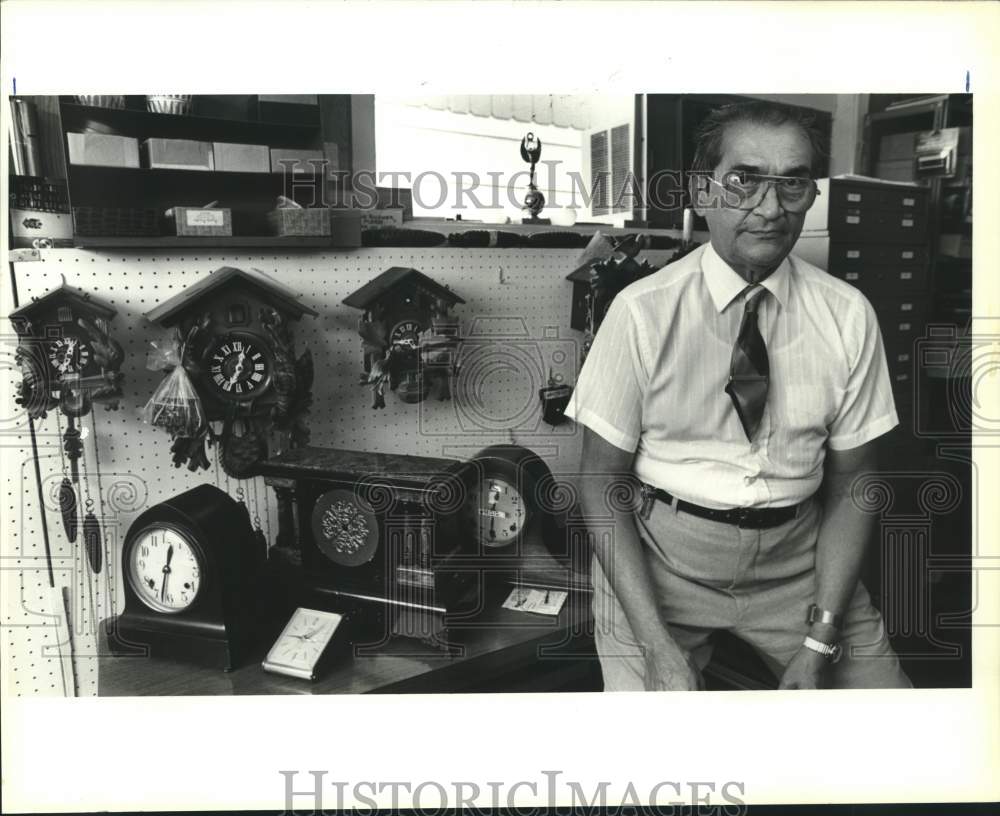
(597, 281)
(69, 362)
(67, 356)
(236, 341)
(408, 334)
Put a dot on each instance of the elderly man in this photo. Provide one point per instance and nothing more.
(740, 389)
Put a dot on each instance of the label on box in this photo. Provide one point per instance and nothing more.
(205, 218)
(373, 219)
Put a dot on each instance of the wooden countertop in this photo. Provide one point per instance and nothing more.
(498, 650)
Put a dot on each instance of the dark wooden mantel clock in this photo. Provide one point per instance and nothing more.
(193, 588)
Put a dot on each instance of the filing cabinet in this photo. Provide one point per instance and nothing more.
(875, 235)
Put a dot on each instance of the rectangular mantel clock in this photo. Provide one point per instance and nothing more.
(374, 528)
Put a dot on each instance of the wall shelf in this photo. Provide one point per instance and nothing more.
(212, 241)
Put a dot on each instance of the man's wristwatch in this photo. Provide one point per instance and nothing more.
(831, 651)
(817, 615)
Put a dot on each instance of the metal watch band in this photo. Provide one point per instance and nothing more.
(817, 615)
(831, 651)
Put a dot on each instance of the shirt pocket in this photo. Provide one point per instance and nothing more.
(811, 407)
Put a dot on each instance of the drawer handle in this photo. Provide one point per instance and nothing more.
(907, 222)
(854, 196)
(906, 307)
(906, 255)
(851, 276)
(909, 202)
(904, 326)
(903, 358)
(853, 253)
(853, 219)
(905, 275)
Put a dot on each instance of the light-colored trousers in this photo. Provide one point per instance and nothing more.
(757, 584)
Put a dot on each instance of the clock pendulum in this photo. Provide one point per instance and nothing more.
(67, 491)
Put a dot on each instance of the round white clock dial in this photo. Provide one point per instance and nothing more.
(164, 569)
(501, 512)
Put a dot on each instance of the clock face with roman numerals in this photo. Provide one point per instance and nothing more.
(238, 366)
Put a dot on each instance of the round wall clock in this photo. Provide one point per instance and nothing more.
(192, 589)
(238, 366)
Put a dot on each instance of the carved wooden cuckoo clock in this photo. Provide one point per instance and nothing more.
(237, 348)
(69, 362)
(408, 334)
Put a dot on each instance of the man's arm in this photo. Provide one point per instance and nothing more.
(840, 550)
(624, 564)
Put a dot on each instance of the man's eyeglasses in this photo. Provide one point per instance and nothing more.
(746, 191)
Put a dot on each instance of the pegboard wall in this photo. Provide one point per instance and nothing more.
(515, 329)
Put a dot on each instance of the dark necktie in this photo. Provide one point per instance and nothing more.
(749, 370)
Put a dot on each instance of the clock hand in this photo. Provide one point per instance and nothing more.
(166, 572)
(238, 369)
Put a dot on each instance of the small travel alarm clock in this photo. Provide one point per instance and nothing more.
(306, 644)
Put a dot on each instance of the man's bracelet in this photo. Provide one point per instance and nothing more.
(817, 615)
(831, 651)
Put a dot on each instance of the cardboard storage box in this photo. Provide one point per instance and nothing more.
(299, 221)
(345, 228)
(103, 150)
(284, 160)
(214, 221)
(178, 154)
(241, 158)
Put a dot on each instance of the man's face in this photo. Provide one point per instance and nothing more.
(755, 241)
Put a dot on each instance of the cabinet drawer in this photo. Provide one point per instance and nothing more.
(845, 195)
(880, 281)
(905, 309)
(855, 257)
(889, 227)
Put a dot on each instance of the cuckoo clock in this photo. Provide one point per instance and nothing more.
(69, 362)
(236, 346)
(600, 278)
(407, 333)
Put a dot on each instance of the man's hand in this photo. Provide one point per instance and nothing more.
(668, 669)
(806, 670)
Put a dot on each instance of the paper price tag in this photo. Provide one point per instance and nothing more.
(538, 601)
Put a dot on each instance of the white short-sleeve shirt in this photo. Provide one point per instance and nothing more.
(654, 381)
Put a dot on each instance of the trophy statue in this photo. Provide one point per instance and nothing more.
(534, 201)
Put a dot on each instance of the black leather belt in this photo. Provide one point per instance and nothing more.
(752, 518)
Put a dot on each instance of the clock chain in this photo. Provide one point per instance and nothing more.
(260, 538)
(104, 515)
(91, 540)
